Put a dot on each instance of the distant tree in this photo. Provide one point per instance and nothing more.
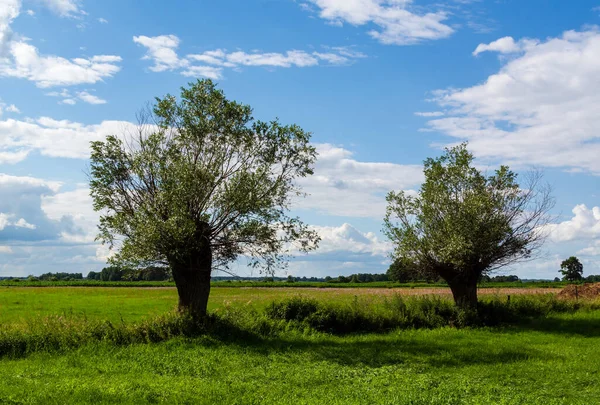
(354, 279)
(403, 270)
(290, 279)
(571, 269)
(556, 279)
(593, 278)
(328, 279)
(92, 275)
(201, 184)
(464, 224)
(112, 273)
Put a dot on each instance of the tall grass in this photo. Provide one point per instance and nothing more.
(292, 315)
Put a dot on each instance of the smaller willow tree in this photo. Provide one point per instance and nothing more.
(463, 224)
(199, 185)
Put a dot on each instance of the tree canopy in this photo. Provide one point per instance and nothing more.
(200, 184)
(571, 269)
(463, 224)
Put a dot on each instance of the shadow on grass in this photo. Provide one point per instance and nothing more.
(376, 350)
(589, 328)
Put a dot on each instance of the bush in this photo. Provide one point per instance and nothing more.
(414, 312)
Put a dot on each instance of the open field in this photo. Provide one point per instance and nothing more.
(19, 305)
(548, 360)
(276, 284)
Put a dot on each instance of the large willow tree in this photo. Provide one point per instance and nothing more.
(199, 185)
(464, 224)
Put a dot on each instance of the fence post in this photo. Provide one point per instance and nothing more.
(508, 299)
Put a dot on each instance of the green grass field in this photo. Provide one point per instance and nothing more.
(20, 305)
(550, 360)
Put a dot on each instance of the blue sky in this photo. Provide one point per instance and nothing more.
(381, 84)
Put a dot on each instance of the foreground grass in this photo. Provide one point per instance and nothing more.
(546, 361)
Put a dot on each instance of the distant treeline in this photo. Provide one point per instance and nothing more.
(115, 273)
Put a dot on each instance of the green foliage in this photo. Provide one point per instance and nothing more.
(500, 279)
(363, 315)
(200, 173)
(464, 224)
(571, 269)
(60, 276)
(402, 270)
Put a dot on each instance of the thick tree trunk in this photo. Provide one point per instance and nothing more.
(464, 293)
(192, 279)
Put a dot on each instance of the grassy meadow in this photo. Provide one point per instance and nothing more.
(251, 358)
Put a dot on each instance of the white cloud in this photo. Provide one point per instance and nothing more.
(65, 8)
(290, 58)
(21, 217)
(20, 59)
(5, 250)
(539, 109)
(343, 186)
(13, 156)
(102, 20)
(585, 224)
(396, 24)
(90, 98)
(592, 250)
(77, 205)
(54, 138)
(13, 109)
(162, 51)
(9, 10)
(430, 114)
(505, 45)
(71, 99)
(46, 71)
(22, 223)
(210, 72)
(346, 239)
(30, 12)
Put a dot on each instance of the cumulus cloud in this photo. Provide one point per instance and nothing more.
(505, 45)
(76, 205)
(346, 239)
(26, 62)
(162, 51)
(395, 22)
(9, 10)
(344, 186)
(20, 59)
(54, 138)
(90, 98)
(65, 8)
(9, 108)
(539, 109)
(585, 224)
(21, 217)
